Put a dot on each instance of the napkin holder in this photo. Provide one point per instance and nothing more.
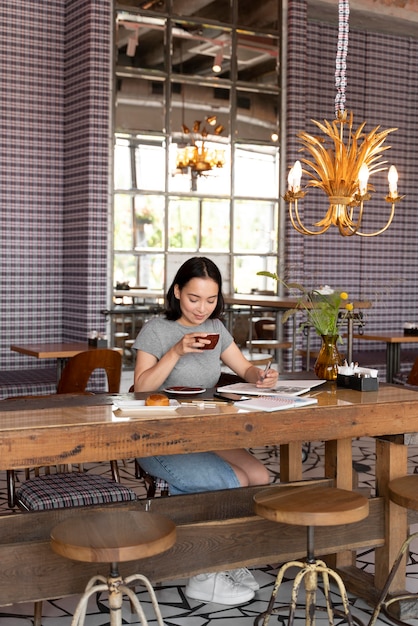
(97, 342)
(363, 379)
(410, 329)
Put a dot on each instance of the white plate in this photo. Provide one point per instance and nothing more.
(184, 391)
(139, 405)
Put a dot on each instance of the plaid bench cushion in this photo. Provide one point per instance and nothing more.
(25, 382)
(57, 491)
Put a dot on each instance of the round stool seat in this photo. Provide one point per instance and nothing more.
(404, 491)
(113, 536)
(309, 505)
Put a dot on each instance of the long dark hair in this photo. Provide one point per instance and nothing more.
(196, 267)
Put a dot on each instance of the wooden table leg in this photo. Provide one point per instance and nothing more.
(291, 462)
(339, 467)
(339, 462)
(393, 360)
(391, 462)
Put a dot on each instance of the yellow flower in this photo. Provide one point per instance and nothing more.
(344, 295)
(349, 306)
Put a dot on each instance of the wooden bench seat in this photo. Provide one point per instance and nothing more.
(215, 531)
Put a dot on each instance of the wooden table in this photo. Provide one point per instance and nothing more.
(214, 531)
(143, 295)
(393, 349)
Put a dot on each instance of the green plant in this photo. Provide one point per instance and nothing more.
(325, 308)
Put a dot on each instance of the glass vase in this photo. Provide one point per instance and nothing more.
(326, 365)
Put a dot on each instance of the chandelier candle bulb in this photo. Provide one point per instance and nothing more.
(393, 181)
(363, 177)
(295, 176)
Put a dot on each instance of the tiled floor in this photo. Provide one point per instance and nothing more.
(177, 610)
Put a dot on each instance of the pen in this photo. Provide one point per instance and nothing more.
(266, 369)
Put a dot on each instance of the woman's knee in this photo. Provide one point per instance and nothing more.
(243, 478)
(259, 476)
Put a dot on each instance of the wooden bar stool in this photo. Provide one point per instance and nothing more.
(404, 492)
(114, 536)
(310, 506)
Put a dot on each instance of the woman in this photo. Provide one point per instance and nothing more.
(169, 353)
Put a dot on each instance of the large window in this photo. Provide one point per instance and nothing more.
(220, 199)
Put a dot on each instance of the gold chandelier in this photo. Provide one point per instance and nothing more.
(341, 169)
(198, 156)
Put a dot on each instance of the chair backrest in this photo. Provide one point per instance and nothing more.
(264, 328)
(413, 374)
(78, 369)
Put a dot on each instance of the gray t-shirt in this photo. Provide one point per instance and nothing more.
(197, 369)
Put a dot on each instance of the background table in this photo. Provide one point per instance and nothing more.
(279, 305)
(393, 349)
(59, 351)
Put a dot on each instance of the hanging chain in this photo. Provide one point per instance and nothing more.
(341, 60)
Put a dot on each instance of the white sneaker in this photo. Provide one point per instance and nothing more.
(243, 576)
(219, 588)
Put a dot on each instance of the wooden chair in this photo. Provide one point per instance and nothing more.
(265, 331)
(411, 379)
(79, 368)
(64, 488)
(114, 536)
(400, 607)
(310, 506)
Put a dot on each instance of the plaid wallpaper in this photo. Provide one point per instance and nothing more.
(55, 137)
(54, 197)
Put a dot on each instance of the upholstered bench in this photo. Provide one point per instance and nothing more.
(26, 382)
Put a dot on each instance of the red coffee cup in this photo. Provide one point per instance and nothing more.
(213, 338)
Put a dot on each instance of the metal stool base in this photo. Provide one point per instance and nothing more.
(308, 573)
(116, 586)
(383, 603)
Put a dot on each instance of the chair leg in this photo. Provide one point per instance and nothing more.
(309, 575)
(383, 603)
(37, 613)
(116, 587)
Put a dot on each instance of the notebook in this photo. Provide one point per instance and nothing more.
(287, 387)
(274, 403)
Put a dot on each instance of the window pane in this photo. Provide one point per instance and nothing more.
(139, 105)
(150, 163)
(149, 222)
(125, 269)
(257, 59)
(215, 225)
(217, 10)
(212, 183)
(150, 271)
(123, 172)
(254, 164)
(123, 222)
(140, 42)
(146, 270)
(245, 272)
(255, 226)
(259, 14)
(201, 50)
(257, 118)
(183, 223)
